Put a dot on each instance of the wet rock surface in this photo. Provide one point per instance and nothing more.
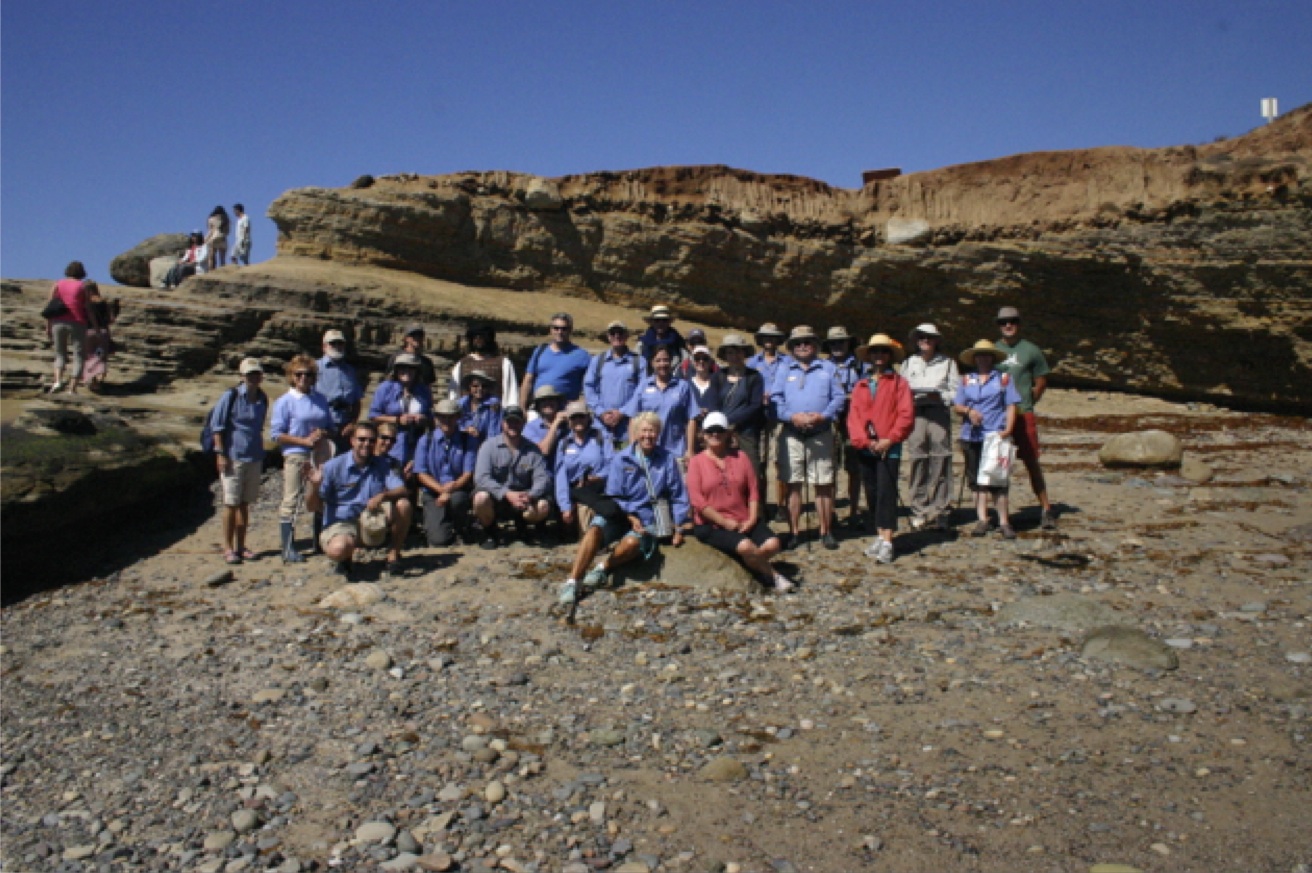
(902, 717)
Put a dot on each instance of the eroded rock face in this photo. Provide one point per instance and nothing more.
(1133, 265)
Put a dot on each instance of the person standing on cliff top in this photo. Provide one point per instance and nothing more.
(1029, 370)
(661, 332)
(241, 251)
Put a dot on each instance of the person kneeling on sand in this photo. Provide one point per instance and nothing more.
(651, 503)
(350, 490)
(726, 505)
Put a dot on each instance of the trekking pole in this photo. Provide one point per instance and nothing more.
(806, 490)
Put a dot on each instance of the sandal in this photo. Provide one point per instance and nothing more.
(231, 557)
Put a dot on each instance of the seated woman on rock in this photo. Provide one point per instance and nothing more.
(988, 400)
(726, 504)
(191, 261)
(647, 486)
(582, 462)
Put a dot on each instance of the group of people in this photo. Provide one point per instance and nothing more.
(209, 250)
(77, 320)
(632, 446)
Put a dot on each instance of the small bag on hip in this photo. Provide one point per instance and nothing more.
(663, 525)
(54, 308)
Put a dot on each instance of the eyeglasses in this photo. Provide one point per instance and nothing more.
(303, 374)
(1006, 321)
(617, 333)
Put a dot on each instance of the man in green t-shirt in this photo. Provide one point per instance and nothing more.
(1028, 368)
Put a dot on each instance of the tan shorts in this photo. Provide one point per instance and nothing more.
(339, 529)
(241, 483)
(809, 458)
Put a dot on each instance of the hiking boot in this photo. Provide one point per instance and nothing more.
(1048, 521)
(1008, 532)
(829, 542)
(788, 542)
(980, 529)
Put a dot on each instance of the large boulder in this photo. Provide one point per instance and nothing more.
(133, 266)
(1146, 448)
(692, 565)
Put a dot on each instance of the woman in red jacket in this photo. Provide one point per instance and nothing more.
(880, 416)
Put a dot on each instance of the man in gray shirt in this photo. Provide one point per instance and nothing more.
(511, 482)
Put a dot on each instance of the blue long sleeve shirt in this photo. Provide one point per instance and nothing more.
(296, 414)
(768, 370)
(611, 383)
(627, 484)
(445, 458)
(576, 461)
(807, 388)
(486, 419)
(676, 404)
(341, 387)
(388, 401)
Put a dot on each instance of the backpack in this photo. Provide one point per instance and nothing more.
(600, 358)
(207, 430)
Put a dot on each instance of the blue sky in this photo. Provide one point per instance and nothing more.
(122, 120)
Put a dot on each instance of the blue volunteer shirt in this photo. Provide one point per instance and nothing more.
(627, 484)
(389, 400)
(575, 461)
(445, 458)
(676, 405)
(768, 370)
(611, 383)
(346, 488)
(850, 371)
(563, 370)
(991, 397)
(296, 414)
(341, 387)
(807, 388)
(241, 421)
(486, 419)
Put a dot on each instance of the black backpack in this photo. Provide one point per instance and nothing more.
(207, 430)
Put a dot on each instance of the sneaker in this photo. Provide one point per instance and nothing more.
(980, 529)
(596, 577)
(885, 555)
(55, 388)
(782, 585)
(829, 542)
(1048, 520)
(569, 593)
(872, 551)
(1008, 532)
(918, 522)
(489, 541)
(788, 542)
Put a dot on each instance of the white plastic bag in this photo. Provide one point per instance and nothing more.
(995, 461)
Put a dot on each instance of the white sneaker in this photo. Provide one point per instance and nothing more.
(596, 577)
(782, 585)
(885, 555)
(569, 592)
(874, 549)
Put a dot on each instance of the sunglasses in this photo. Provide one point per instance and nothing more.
(1006, 321)
(804, 342)
(617, 333)
(365, 441)
(386, 438)
(715, 431)
(303, 374)
(341, 343)
(701, 359)
(560, 327)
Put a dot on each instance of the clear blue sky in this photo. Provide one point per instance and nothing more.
(120, 120)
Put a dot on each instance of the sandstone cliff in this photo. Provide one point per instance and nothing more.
(1136, 265)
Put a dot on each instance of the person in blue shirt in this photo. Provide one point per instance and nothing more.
(660, 332)
(807, 397)
(987, 399)
(340, 385)
(444, 466)
(347, 487)
(406, 400)
(638, 477)
(301, 424)
(238, 425)
(767, 362)
(849, 370)
(559, 363)
(672, 399)
(480, 410)
(612, 379)
(582, 461)
(545, 430)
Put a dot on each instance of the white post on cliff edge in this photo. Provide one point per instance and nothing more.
(1270, 109)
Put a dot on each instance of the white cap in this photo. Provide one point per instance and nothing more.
(715, 419)
(702, 350)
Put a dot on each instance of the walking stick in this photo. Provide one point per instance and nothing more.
(806, 490)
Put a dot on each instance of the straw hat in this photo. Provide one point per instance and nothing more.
(659, 311)
(982, 347)
(769, 329)
(802, 332)
(734, 341)
(881, 341)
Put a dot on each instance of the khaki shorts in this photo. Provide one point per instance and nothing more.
(241, 483)
(809, 458)
(339, 529)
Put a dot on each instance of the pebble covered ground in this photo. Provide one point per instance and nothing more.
(944, 713)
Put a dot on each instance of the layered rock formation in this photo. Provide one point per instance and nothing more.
(1182, 271)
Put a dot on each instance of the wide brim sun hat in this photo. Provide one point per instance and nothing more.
(985, 347)
(926, 329)
(734, 341)
(769, 329)
(659, 311)
(802, 332)
(881, 341)
(835, 335)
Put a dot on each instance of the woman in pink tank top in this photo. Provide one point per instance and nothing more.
(68, 331)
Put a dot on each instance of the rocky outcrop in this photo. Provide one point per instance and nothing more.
(133, 266)
(1136, 265)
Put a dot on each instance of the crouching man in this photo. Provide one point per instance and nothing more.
(511, 482)
(347, 488)
(444, 464)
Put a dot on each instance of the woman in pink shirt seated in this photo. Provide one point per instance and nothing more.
(68, 330)
(726, 505)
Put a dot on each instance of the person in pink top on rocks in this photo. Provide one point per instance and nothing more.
(68, 330)
(726, 505)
